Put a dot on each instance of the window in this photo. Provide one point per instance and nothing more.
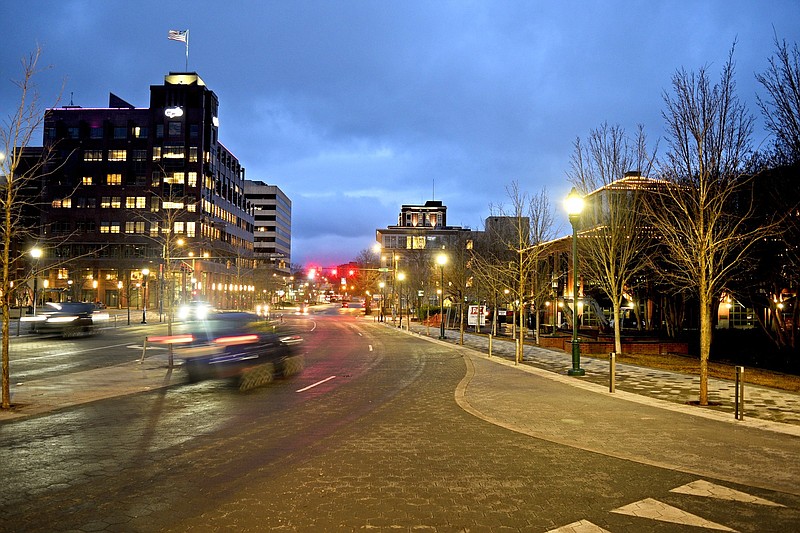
(96, 133)
(154, 228)
(105, 202)
(175, 129)
(175, 179)
(86, 180)
(192, 154)
(155, 179)
(140, 132)
(191, 230)
(172, 205)
(105, 227)
(194, 131)
(159, 131)
(116, 202)
(117, 155)
(64, 203)
(156, 153)
(86, 226)
(174, 152)
(179, 227)
(134, 227)
(192, 179)
(115, 227)
(120, 132)
(92, 155)
(135, 202)
(155, 206)
(139, 155)
(73, 133)
(114, 179)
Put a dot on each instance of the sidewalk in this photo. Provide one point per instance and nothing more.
(761, 404)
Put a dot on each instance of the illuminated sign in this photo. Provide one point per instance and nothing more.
(215, 121)
(173, 112)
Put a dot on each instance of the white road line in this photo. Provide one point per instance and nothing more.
(315, 384)
(62, 354)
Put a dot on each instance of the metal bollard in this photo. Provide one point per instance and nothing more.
(739, 394)
(612, 371)
(490, 344)
(144, 350)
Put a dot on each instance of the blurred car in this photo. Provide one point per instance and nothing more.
(236, 345)
(345, 304)
(68, 319)
(194, 310)
(302, 309)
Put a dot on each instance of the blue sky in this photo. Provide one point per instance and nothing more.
(356, 107)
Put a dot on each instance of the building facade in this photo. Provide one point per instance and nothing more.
(145, 198)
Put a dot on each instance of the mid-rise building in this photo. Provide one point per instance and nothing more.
(272, 211)
(145, 194)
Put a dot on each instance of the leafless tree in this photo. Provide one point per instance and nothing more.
(781, 105)
(17, 173)
(610, 166)
(515, 258)
(702, 215)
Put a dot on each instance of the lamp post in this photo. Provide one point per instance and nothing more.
(401, 277)
(574, 206)
(441, 260)
(36, 253)
(145, 273)
(382, 285)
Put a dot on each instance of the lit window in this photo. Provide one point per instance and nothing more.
(115, 227)
(105, 227)
(117, 155)
(93, 155)
(192, 154)
(114, 179)
(173, 205)
(129, 227)
(135, 202)
(86, 180)
(179, 227)
(105, 202)
(174, 152)
(155, 206)
(156, 153)
(140, 132)
(191, 229)
(177, 178)
(116, 202)
(191, 179)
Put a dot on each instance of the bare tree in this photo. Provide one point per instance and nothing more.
(702, 214)
(18, 174)
(518, 261)
(614, 243)
(781, 106)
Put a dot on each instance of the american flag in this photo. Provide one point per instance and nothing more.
(178, 35)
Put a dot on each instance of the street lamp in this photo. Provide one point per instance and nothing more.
(36, 253)
(401, 278)
(145, 273)
(574, 206)
(382, 285)
(441, 260)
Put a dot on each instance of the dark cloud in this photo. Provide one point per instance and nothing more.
(356, 107)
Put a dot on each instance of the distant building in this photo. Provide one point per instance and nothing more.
(126, 181)
(420, 228)
(272, 211)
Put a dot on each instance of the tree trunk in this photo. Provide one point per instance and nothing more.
(617, 328)
(705, 346)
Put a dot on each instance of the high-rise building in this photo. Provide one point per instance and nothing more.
(136, 196)
(272, 211)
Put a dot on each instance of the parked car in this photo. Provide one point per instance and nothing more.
(238, 346)
(69, 319)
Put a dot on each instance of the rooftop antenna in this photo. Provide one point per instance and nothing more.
(70, 98)
(434, 189)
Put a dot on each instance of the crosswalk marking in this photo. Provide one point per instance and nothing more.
(711, 490)
(583, 526)
(656, 510)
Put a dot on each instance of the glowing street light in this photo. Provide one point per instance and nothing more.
(441, 260)
(145, 273)
(574, 206)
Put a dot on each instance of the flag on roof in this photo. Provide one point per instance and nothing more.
(178, 35)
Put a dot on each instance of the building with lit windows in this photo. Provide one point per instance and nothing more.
(134, 188)
(272, 211)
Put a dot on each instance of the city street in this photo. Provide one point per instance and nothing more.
(383, 430)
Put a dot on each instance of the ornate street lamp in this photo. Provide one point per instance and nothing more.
(145, 273)
(574, 206)
(441, 260)
(36, 253)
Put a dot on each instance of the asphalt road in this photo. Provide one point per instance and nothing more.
(369, 436)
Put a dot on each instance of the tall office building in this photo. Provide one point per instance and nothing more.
(272, 211)
(139, 195)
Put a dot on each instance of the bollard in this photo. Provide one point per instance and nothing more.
(490, 344)
(612, 372)
(739, 394)
(144, 350)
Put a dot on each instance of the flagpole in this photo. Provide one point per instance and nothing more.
(187, 50)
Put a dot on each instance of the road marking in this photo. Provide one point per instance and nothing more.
(62, 354)
(656, 510)
(710, 490)
(315, 384)
(584, 526)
